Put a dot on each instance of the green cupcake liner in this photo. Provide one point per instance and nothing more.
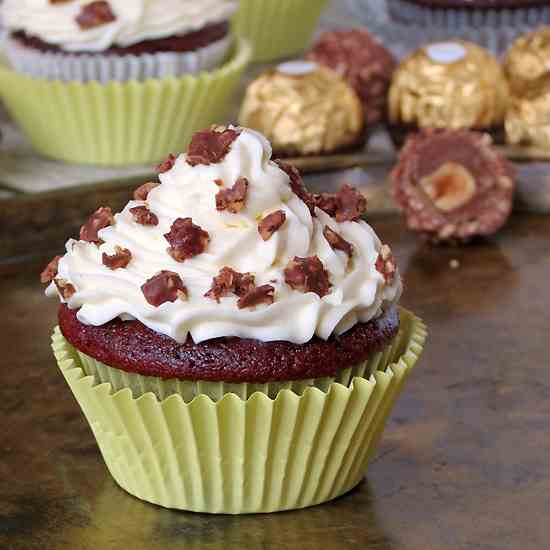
(277, 28)
(189, 389)
(240, 455)
(120, 123)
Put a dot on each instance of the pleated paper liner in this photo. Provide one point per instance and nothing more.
(277, 28)
(120, 123)
(238, 455)
(122, 68)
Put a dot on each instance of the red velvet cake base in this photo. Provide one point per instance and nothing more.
(185, 43)
(133, 347)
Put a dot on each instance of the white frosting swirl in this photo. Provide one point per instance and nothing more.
(358, 290)
(136, 20)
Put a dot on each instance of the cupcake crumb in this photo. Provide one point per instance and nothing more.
(454, 264)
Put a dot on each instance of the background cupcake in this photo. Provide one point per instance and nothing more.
(116, 40)
(119, 82)
(277, 28)
(250, 326)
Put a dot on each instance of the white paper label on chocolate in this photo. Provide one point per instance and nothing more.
(446, 52)
(297, 68)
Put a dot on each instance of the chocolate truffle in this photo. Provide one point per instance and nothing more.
(365, 63)
(528, 117)
(452, 185)
(528, 61)
(448, 85)
(304, 109)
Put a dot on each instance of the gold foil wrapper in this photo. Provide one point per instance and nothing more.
(449, 85)
(528, 60)
(528, 117)
(303, 109)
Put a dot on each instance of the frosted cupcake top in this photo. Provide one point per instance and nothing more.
(229, 243)
(84, 25)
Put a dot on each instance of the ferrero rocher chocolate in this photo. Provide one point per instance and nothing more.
(303, 109)
(528, 117)
(449, 85)
(528, 60)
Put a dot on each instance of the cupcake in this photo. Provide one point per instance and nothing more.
(277, 28)
(116, 40)
(448, 85)
(119, 83)
(453, 185)
(460, 14)
(234, 341)
(365, 63)
(304, 109)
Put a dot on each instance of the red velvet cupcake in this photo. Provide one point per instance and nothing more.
(221, 294)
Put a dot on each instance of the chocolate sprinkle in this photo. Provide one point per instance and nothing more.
(121, 258)
(142, 192)
(348, 205)
(186, 239)
(297, 185)
(210, 146)
(385, 264)
(144, 216)
(165, 286)
(271, 223)
(263, 294)
(167, 164)
(233, 199)
(50, 271)
(95, 14)
(101, 218)
(308, 275)
(65, 288)
(230, 281)
(337, 242)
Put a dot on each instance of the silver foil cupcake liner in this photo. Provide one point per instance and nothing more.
(407, 12)
(403, 38)
(103, 68)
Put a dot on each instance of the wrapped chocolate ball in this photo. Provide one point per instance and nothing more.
(448, 85)
(528, 61)
(365, 63)
(528, 117)
(304, 109)
(453, 185)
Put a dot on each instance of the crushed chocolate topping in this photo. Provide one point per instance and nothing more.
(308, 275)
(211, 146)
(165, 286)
(297, 185)
(101, 218)
(271, 223)
(385, 264)
(167, 164)
(142, 192)
(95, 14)
(233, 199)
(144, 216)
(337, 242)
(65, 288)
(263, 294)
(230, 281)
(186, 239)
(348, 205)
(50, 271)
(121, 258)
